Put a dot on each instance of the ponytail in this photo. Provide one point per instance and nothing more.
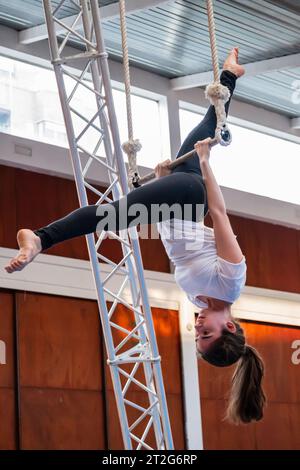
(247, 398)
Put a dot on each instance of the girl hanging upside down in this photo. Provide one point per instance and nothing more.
(211, 269)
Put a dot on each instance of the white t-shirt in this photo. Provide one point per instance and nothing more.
(199, 271)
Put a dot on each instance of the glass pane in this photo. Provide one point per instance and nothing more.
(30, 108)
(255, 162)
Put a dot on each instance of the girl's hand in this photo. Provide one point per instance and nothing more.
(203, 149)
(162, 169)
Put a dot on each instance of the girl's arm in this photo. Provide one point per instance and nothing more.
(227, 245)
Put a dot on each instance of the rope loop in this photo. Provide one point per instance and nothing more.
(217, 93)
(132, 146)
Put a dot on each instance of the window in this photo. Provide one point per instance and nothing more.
(4, 119)
(34, 111)
(255, 162)
(52, 132)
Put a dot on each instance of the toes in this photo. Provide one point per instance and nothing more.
(14, 264)
(9, 269)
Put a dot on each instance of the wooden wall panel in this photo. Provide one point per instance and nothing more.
(279, 428)
(49, 198)
(59, 342)
(272, 265)
(282, 379)
(61, 397)
(176, 418)
(166, 324)
(62, 419)
(272, 254)
(7, 371)
(7, 374)
(7, 207)
(7, 419)
(41, 199)
(218, 434)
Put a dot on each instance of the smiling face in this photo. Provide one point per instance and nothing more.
(209, 326)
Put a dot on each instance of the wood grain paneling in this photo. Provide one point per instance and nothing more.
(274, 343)
(7, 374)
(218, 434)
(49, 198)
(33, 200)
(166, 324)
(7, 419)
(272, 254)
(282, 378)
(278, 429)
(114, 431)
(62, 419)
(7, 371)
(59, 342)
(41, 199)
(8, 223)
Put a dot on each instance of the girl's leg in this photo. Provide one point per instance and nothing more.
(205, 129)
(173, 192)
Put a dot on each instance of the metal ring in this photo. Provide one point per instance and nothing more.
(226, 137)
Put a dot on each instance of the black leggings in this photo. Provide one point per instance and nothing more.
(184, 186)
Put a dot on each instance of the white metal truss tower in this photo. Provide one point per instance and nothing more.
(134, 360)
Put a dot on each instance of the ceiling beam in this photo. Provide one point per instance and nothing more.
(39, 33)
(252, 69)
(295, 123)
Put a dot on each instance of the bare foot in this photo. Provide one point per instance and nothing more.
(231, 63)
(30, 246)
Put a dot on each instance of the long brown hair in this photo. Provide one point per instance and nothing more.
(247, 398)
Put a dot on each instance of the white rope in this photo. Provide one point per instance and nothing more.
(213, 39)
(217, 93)
(132, 146)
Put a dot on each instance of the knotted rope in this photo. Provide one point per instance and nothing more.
(132, 146)
(217, 93)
